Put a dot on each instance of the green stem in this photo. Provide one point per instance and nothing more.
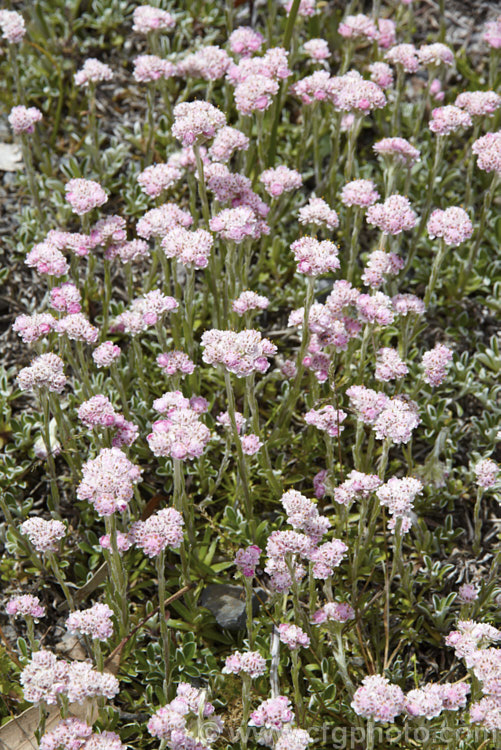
(478, 522)
(437, 262)
(272, 151)
(60, 579)
(164, 630)
(202, 190)
(242, 466)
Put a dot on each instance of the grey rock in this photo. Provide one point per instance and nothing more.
(227, 604)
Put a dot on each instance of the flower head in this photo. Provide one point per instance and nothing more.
(92, 72)
(196, 121)
(159, 531)
(25, 606)
(12, 26)
(452, 225)
(393, 216)
(241, 353)
(46, 371)
(23, 119)
(448, 119)
(84, 195)
(108, 481)
(148, 18)
(94, 621)
(377, 698)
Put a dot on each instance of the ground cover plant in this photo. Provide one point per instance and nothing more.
(250, 388)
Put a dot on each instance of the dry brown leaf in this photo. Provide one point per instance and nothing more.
(19, 733)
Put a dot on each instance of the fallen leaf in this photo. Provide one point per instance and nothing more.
(19, 733)
(10, 157)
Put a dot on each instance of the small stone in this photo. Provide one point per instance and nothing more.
(227, 604)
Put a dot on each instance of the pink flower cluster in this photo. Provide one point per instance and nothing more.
(328, 419)
(149, 68)
(272, 713)
(156, 179)
(303, 515)
(144, 312)
(334, 612)
(280, 180)
(394, 418)
(247, 301)
(448, 119)
(47, 259)
(84, 195)
(312, 88)
(209, 63)
(159, 531)
(488, 151)
(66, 298)
(92, 72)
(12, 26)
(478, 103)
(241, 353)
(398, 148)
(393, 216)
(238, 223)
(196, 121)
(356, 485)
(433, 55)
(250, 662)
(98, 411)
(382, 74)
(43, 535)
(405, 55)
(379, 265)
(226, 142)
(247, 560)
(358, 27)
(23, 119)
(245, 41)
(77, 328)
(492, 33)
(148, 19)
(25, 606)
(313, 257)
(94, 621)
(108, 481)
(352, 93)
(389, 365)
(181, 722)
(378, 699)
(318, 213)
(181, 435)
(106, 353)
(293, 636)
(69, 734)
(190, 248)
(175, 362)
(435, 363)
(430, 700)
(46, 371)
(360, 193)
(317, 49)
(33, 327)
(486, 472)
(46, 677)
(158, 221)
(398, 496)
(452, 225)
